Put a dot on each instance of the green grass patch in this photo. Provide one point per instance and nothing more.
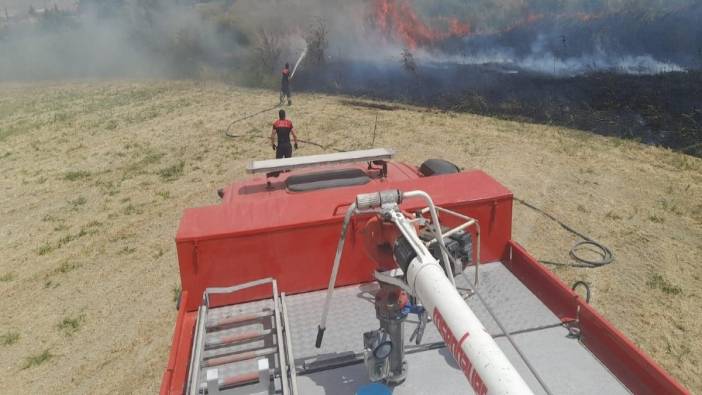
(75, 175)
(657, 219)
(172, 173)
(107, 187)
(159, 253)
(126, 250)
(19, 127)
(77, 202)
(176, 292)
(657, 281)
(45, 249)
(93, 224)
(9, 338)
(613, 216)
(111, 124)
(139, 166)
(697, 213)
(151, 157)
(583, 209)
(50, 284)
(670, 206)
(683, 162)
(165, 195)
(67, 267)
(131, 209)
(36, 360)
(49, 218)
(70, 237)
(48, 247)
(70, 325)
(60, 227)
(7, 277)
(61, 117)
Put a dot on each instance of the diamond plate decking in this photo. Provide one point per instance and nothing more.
(564, 364)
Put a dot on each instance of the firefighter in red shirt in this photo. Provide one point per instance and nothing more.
(285, 85)
(283, 128)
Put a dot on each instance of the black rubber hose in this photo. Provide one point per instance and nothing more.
(584, 285)
(320, 336)
(228, 133)
(605, 253)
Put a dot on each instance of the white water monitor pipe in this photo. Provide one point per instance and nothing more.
(487, 368)
(485, 365)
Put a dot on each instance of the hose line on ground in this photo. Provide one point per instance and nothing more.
(228, 133)
(606, 255)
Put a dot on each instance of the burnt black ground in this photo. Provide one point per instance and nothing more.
(663, 109)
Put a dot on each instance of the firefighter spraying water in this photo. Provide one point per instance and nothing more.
(285, 85)
(287, 76)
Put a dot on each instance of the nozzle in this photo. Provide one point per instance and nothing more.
(320, 336)
(373, 200)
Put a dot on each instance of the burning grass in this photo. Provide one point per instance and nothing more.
(370, 104)
(663, 109)
(102, 244)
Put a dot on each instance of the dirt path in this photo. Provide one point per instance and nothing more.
(95, 176)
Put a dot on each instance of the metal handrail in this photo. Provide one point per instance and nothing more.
(469, 222)
(436, 225)
(288, 344)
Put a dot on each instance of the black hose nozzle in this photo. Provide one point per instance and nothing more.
(320, 335)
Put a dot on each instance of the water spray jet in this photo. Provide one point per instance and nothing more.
(299, 60)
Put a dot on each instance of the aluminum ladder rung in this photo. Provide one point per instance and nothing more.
(254, 382)
(239, 356)
(235, 380)
(229, 340)
(233, 320)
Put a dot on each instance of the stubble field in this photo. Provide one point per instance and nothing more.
(94, 177)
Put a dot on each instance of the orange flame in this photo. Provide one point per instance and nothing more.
(397, 19)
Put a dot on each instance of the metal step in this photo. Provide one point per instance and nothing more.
(229, 343)
(224, 341)
(240, 356)
(237, 319)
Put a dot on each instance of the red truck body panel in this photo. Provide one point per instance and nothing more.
(258, 232)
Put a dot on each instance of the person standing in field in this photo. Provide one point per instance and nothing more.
(285, 85)
(283, 128)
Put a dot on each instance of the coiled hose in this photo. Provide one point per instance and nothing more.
(606, 255)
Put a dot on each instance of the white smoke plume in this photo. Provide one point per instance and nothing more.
(181, 38)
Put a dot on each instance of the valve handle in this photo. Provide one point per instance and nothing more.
(419, 330)
(320, 336)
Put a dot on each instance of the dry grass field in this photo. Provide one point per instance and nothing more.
(94, 177)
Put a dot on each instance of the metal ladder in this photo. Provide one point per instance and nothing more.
(222, 360)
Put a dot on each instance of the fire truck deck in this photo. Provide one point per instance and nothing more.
(564, 364)
(255, 269)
